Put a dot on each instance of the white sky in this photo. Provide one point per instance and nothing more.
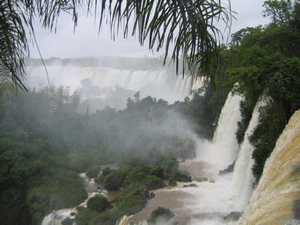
(88, 42)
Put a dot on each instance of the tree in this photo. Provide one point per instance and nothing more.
(278, 10)
(186, 29)
(98, 203)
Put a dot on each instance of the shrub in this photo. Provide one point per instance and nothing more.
(161, 214)
(98, 203)
(84, 216)
(113, 181)
(182, 177)
(246, 108)
(93, 172)
(132, 200)
(154, 182)
(158, 172)
(271, 123)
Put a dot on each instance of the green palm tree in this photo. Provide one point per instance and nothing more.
(184, 29)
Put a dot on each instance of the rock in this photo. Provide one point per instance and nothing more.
(152, 195)
(233, 216)
(68, 221)
(229, 169)
(203, 179)
(190, 185)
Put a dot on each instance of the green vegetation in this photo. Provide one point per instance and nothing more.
(133, 181)
(265, 61)
(161, 215)
(98, 203)
(45, 144)
(93, 172)
(204, 108)
(272, 122)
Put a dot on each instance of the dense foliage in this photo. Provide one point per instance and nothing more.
(161, 215)
(272, 122)
(98, 203)
(131, 184)
(45, 143)
(265, 61)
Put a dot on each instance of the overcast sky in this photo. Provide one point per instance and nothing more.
(88, 42)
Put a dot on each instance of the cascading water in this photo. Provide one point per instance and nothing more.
(223, 150)
(243, 178)
(58, 216)
(275, 200)
(225, 134)
(210, 201)
(117, 78)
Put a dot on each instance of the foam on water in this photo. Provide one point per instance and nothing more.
(210, 202)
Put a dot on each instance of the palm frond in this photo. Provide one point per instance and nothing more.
(184, 29)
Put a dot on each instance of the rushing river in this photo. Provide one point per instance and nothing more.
(222, 178)
(222, 174)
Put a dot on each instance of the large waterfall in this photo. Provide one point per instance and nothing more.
(211, 202)
(223, 151)
(243, 178)
(111, 80)
(218, 194)
(225, 134)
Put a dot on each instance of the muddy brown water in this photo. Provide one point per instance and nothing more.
(175, 198)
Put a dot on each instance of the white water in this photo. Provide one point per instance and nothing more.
(211, 201)
(58, 216)
(243, 178)
(215, 198)
(223, 151)
(113, 81)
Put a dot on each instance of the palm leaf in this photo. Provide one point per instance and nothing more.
(184, 29)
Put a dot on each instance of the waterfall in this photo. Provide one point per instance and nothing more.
(243, 178)
(117, 78)
(223, 150)
(57, 217)
(276, 198)
(225, 134)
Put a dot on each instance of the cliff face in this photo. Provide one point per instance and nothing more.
(276, 200)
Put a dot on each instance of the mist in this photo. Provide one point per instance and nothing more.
(108, 132)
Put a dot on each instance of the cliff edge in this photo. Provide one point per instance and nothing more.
(276, 200)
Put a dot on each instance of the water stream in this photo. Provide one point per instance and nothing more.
(58, 216)
(208, 200)
(218, 194)
(243, 178)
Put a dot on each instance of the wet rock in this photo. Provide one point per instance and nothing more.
(152, 195)
(190, 185)
(203, 179)
(229, 169)
(233, 216)
(293, 222)
(68, 221)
